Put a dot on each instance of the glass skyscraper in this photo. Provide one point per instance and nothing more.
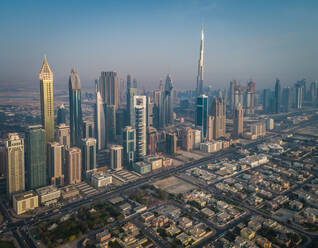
(75, 108)
(88, 155)
(35, 157)
(201, 119)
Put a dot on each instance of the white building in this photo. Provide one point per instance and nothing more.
(269, 124)
(196, 138)
(212, 146)
(25, 201)
(100, 179)
(116, 153)
(258, 129)
(48, 195)
(156, 162)
(100, 122)
(140, 105)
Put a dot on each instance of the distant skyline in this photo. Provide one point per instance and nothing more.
(259, 40)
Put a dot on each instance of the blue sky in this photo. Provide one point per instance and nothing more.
(258, 40)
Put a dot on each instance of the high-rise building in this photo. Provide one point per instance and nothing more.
(171, 143)
(131, 92)
(277, 96)
(287, 99)
(313, 92)
(75, 108)
(210, 128)
(46, 98)
(201, 117)
(140, 126)
(129, 144)
(35, 157)
(3, 159)
(73, 165)
(168, 101)
(56, 163)
(110, 124)
(88, 129)
(128, 82)
(200, 76)
(61, 115)
(116, 157)
(299, 97)
(109, 88)
(150, 106)
(151, 141)
(217, 111)
(267, 101)
(88, 155)
(187, 139)
(62, 135)
(121, 120)
(251, 97)
(100, 122)
(238, 121)
(15, 170)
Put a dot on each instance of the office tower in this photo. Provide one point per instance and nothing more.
(233, 86)
(158, 110)
(128, 82)
(171, 143)
(62, 135)
(210, 128)
(3, 160)
(277, 96)
(187, 139)
(135, 83)
(129, 144)
(88, 129)
(267, 101)
(109, 88)
(287, 99)
(168, 101)
(313, 92)
(201, 117)
(15, 176)
(100, 122)
(61, 115)
(121, 120)
(56, 163)
(299, 96)
(35, 157)
(110, 124)
(151, 141)
(116, 157)
(75, 108)
(46, 98)
(140, 126)
(88, 155)
(238, 121)
(131, 92)
(150, 106)
(217, 111)
(251, 97)
(73, 165)
(200, 77)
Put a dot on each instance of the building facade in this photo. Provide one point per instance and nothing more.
(62, 135)
(56, 163)
(140, 126)
(73, 165)
(238, 121)
(88, 155)
(116, 157)
(129, 145)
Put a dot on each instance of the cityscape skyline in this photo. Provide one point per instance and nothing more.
(243, 41)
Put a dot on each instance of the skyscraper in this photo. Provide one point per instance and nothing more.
(131, 92)
(238, 121)
(171, 143)
(15, 176)
(109, 88)
(277, 96)
(100, 122)
(88, 155)
(88, 129)
(287, 99)
(73, 165)
(62, 135)
(61, 115)
(200, 66)
(150, 106)
(210, 128)
(35, 157)
(299, 96)
(46, 98)
(151, 141)
(110, 120)
(129, 144)
(75, 107)
(168, 101)
(56, 163)
(201, 117)
(116, 157)
(140, 126)
(217, 111)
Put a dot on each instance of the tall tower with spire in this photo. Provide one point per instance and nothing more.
(200, 66)
(46, 98)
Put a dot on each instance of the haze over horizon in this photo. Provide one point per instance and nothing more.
(243, 40)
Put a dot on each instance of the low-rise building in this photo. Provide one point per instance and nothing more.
(185, 222)
(142, 167)
(25, 201)
(69, 192)
(100, 179)
(247, 233)
(48, 195)
(103, 236)
(156, 162)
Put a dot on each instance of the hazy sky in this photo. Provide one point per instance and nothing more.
(258, 39)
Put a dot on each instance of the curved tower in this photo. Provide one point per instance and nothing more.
(200, 66)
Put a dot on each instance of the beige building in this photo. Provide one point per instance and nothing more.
(187, 139)
(46, 98)
(210, 128)
(26, 201)
(14, 151)
(156, 162)
(62, 135)
(116, 157)
(238, 121)
(48, 195)
(73, 165)
(109, 87)
(55, 158)
(218, 112)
